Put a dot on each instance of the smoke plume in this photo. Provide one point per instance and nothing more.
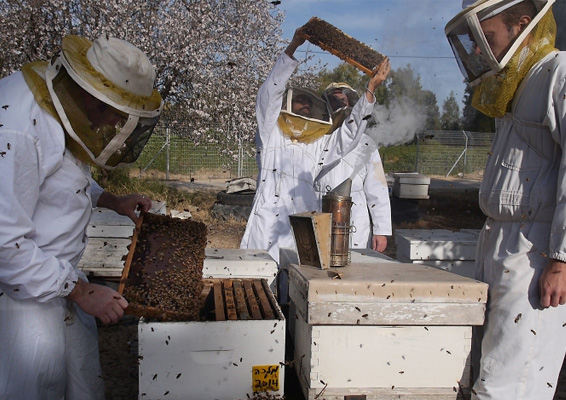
(397, 123)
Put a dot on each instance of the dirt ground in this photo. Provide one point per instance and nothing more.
(446, 209)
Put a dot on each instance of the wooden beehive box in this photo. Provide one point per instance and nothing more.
(240, 263)
(345, 47)
(440, 248)
(411, 185)
(384, 330)
(109, 237)
(234, 352)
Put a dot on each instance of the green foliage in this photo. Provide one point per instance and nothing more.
(343, 73)
(428, 100)
(450, 119)
(120, 182)
(431, 156)
(399, 158)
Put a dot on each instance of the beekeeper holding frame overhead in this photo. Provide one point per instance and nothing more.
(295, 141)
(94, 103)
(505, 50)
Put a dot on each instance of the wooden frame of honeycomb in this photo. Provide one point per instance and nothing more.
(333, 40)
(162, 275)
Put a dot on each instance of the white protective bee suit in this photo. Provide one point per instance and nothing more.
(519, 351)
(288, 167)
(46, 198)
(523, 193)
(48, 333)
(371, 209)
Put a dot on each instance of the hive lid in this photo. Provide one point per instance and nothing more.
(412, 178)
(387, 282)
(238, 263)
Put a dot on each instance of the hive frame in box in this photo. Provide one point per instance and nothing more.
(204, 360)
(183, 265)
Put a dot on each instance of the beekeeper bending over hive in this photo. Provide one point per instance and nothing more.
(506, 50)
(93, 103)
(294, 144)
(370, 216)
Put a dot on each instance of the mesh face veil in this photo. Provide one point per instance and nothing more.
(304, 116)
(108, 122)
(341, 98)
(470, 45)
(338, 93)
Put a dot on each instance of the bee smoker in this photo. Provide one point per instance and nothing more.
(339, 203)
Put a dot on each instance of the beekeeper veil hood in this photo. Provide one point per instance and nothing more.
(305, 116)
(496, 77)
(103, 94)
(341, 97)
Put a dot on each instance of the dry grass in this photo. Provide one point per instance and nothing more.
(225, 234)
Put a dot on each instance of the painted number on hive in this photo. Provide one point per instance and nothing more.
(265, 378)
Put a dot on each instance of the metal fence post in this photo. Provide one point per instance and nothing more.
(168, 152)
(465, 153)
(417, 158)
(240, 157)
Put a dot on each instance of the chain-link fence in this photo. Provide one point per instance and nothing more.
(179, 155)
(432, 153)
(457, 153)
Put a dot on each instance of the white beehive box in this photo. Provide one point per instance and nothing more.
(384, 330)
(109, 235)
(204, 360)
(240, 263)
(440, 248)
(287, 257)
(411, 185)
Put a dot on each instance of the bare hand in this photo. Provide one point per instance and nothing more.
(379, 243)
(125, 205)
(380, 75)
(552, 284)
(99, 301)
(298, 39)
(128, 205)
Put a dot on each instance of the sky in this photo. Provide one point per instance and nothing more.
(407, 31)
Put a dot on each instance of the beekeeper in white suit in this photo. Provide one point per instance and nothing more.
(370, 216)
(93, 103)
(293, 147)
(506, 50)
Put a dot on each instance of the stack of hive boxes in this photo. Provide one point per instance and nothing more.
(382, 329)
(440, 248)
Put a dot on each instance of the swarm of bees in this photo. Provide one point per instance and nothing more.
(333, 40)
(164, 276)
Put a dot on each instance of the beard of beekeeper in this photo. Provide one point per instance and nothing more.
(302, 105)
(93, 103)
